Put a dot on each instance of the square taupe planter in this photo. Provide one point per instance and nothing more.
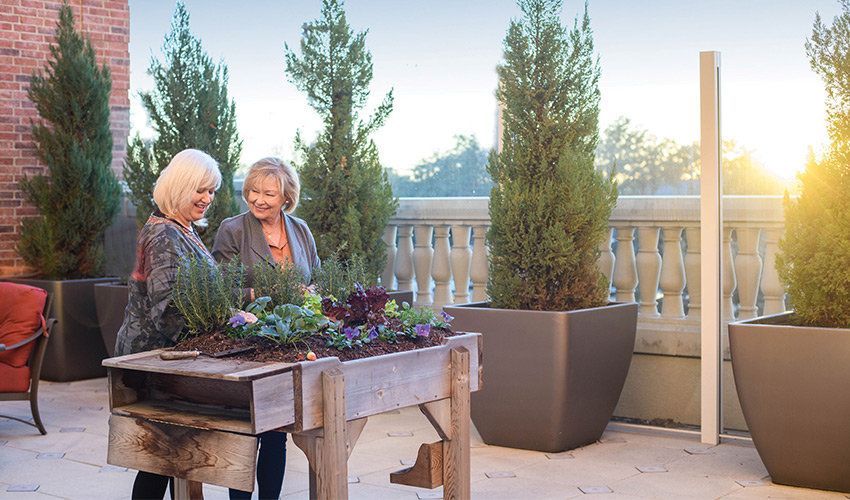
(111, 304)
(553, 378)
(76, 348)
(793, 385)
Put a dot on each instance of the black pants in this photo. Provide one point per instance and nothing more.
(270, 465)
(149, 486)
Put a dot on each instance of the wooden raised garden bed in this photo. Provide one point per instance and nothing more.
(197, 419)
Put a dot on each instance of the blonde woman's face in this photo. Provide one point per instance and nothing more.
(195, 210)
(265, 199)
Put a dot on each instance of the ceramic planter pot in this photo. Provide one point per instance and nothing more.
(792, 382)
(552, 378)
(111, 302)
(76, 349)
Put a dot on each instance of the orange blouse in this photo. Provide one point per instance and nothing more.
(280, 249)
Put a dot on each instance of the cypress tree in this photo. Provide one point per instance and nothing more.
(347, 198)
(74, 140)
(549, 206)
(188, 108)
(814, 257)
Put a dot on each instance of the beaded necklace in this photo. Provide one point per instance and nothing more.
(190, 233)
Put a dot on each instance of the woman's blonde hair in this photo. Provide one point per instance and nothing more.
(189, 171)
(283, 173)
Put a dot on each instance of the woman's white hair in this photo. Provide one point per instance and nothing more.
(189, 171)
(282, 172)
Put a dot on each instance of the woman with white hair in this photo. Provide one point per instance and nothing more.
(182, 194)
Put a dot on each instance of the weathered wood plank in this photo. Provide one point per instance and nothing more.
(188, 490)
(332, 467)
(457, 465)
(212, 457)
(203, 366)
(439, 413)
(126, 387)
(272, 402)
(375, 385)
(427, 472)
(190, 415)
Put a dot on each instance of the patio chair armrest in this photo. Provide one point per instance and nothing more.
(32, 337)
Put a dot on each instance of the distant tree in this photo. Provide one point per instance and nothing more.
(744, 175)
(73, 139)
(645, 165)
(188, 108)
(461, 171)
(347, 199)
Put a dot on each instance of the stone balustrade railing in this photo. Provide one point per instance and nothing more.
(436, 247)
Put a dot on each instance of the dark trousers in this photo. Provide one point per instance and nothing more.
(149, 486)
(270, 465)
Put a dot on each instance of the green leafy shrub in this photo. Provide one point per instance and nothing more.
(549, 206)
(207, 295)
(282, 282)
(337, 278)
(814, 257)
(74, 140)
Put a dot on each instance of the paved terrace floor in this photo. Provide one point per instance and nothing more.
(628, 463)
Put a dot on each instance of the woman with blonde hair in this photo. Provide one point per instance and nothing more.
(268, 232)
(183, 192)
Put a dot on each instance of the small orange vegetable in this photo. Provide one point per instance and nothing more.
(311, 356)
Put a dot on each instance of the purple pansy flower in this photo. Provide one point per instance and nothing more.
(373, 333)
(350, 333)
(237, 320)
(423, 330)
(446, 317)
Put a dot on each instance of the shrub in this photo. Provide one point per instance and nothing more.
(205, 294)
(814, 257)
(549, 206)
(81, 197)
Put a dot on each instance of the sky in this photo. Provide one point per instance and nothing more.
(439, 58)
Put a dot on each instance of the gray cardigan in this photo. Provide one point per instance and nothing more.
(242, 235)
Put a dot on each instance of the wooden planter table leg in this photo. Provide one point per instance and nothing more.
(446, 462)
(185, 489)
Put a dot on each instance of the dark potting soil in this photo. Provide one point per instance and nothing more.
(267, 350)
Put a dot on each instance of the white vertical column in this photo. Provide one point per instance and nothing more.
(625, 269)
(441, 269)
(388, 276)
(771, 287)
(461, 262)
(711, 210)
(648, 270)
(748, 271)
(478, 270)
(422, 257)
(606, 256)
(692, 273)
(672, 274)
(404, 258)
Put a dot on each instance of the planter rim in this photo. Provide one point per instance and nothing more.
(16, 278)
(772, 319)
(484, 305)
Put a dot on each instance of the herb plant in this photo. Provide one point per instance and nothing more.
(207, 294)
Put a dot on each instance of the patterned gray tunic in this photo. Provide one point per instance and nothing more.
(151, 321)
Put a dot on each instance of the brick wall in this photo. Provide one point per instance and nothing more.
(26, 31)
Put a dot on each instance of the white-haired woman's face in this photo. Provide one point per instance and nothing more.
(195, 210)
(265, 199)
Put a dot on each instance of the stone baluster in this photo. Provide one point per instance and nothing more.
(388, 276)
(461, 262)
(625, 269)
(771, 287)
(423, 254)
(672, 280)
(478, 269)
(727, 309)
(404, 258)
(441, 269)
(649, 270)
(606, 256)
(693, 272)
(748, 271)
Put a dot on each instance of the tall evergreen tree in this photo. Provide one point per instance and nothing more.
(347, 199)
(81, 196)
(188, 108)
(549, 206)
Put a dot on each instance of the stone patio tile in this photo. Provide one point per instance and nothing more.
(780, 492)
(729, 461)
(576, 472)
(678, 486)
(629, 453)
(521, 488)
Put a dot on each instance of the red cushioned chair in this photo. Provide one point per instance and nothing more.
(23, 340)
